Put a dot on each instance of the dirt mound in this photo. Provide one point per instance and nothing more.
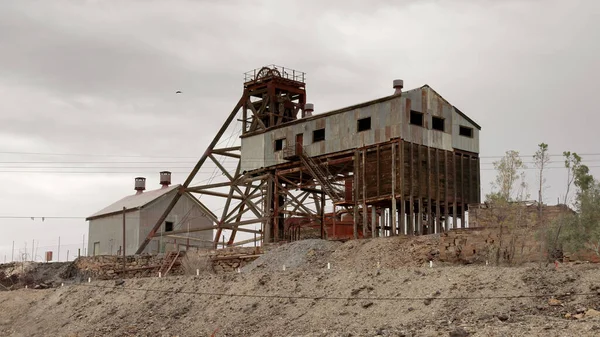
(311, 253)
(16, 275)
(415, 301)
(391, 252)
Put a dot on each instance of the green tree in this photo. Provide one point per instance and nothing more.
(580, 231)
(510, 170)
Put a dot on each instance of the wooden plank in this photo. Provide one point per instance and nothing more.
(447, 182)
(429, 193)
(355, 210)
(462, 192)
(454, 205)
(420, 216)
(393, 218)
(411, 212)
(378, 173)
(364, 196)
(373, 222)
(402, 206)
(437, 190)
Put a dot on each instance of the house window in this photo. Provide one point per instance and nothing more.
(318, 135)
(416, 118)
(437, 123)
(279, 144)
(363, 124)
(465, 131)
(168, 226)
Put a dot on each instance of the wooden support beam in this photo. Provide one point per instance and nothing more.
(420, 216)
(355, 187)
(454, 205)
(276, 209)
(393, 217)
(364, 192)
(446, 183)
(374, 222)
(402, 180)
(429, 193)
(411, 205)
(378, 173)
(462, 191)
(438, 225)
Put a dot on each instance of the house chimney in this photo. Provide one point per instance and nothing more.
(165, 179)
(398, 85)
(140, 185)
(308, 109)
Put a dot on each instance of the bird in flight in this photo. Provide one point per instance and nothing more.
(178, 92)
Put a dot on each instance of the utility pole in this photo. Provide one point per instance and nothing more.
(124, 242)
(58, 253)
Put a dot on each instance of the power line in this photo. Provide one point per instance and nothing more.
(336, 298)
(205, 172)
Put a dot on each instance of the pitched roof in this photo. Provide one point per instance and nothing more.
(455, 108)
(133, 202)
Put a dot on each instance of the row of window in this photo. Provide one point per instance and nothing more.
(438, 123)
(364, 124)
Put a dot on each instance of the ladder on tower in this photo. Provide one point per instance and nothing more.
(322, 175)
(168, 262)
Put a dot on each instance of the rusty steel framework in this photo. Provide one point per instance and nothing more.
(390, 188)
(272, 96)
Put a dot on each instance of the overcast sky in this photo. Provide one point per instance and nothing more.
(99, 78)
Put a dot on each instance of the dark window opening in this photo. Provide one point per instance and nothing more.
(416, 118)
(465, 131)
(168, 226)
(279, 144)
(318, 135)
(437, 123)
(363, 124)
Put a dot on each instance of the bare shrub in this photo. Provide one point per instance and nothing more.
(193, 261)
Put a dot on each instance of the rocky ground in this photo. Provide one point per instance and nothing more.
(308, 299)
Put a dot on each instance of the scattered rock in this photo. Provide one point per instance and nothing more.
(554, 302)
(410, 309)
(568, 315)
(366, 304)
(578, 316)
(459, 332)
(592, 313)
(427, 301)
(503, 317)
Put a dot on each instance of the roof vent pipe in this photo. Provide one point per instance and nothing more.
(165, 179)
(140, 185)
(308, 109)
(398, 85)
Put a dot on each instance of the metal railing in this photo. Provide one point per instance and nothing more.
(274, 71)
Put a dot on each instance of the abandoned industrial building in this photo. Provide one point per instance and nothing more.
(138, 212)
(406, 163)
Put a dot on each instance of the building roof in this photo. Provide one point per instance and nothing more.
(360, 105)
(133, 202)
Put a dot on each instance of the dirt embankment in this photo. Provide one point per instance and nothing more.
(403, 297)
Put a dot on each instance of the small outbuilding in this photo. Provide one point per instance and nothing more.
(187, 225)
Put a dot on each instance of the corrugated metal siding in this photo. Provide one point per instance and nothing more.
(253, 152)
(389, 119)
(461, 142)
(179, 216)
(109, 232)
